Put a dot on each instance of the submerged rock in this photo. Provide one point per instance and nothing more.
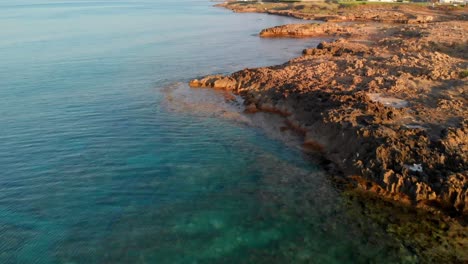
(215, 81)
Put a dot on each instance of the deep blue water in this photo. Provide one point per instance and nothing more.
(94, 168)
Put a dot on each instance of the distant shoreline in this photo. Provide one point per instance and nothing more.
(382, 12)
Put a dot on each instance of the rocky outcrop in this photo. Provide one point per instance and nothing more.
(392, 117)
(216, 82)
(365, 12)
(388, 16)
(306, 30)
(382, 15)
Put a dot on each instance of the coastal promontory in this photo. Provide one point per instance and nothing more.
(384, 102)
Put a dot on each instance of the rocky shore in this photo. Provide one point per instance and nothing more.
(307, 30)
(351, 11)
(384, 104)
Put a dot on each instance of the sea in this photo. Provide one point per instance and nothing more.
(107, 156)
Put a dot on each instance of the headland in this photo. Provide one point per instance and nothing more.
(384, 102)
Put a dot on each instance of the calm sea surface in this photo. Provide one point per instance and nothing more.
(94, 168)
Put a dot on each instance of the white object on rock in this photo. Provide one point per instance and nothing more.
(415, 167)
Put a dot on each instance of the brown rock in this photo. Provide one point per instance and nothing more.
(306, 30)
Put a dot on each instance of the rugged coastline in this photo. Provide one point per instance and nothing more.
(350, 11)
(352, 102)
(384, 102)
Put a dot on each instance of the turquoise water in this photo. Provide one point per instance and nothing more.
(96, 169)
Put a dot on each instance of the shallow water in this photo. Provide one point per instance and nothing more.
(97, 168)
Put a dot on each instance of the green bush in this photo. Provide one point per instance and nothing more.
(463, 74)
